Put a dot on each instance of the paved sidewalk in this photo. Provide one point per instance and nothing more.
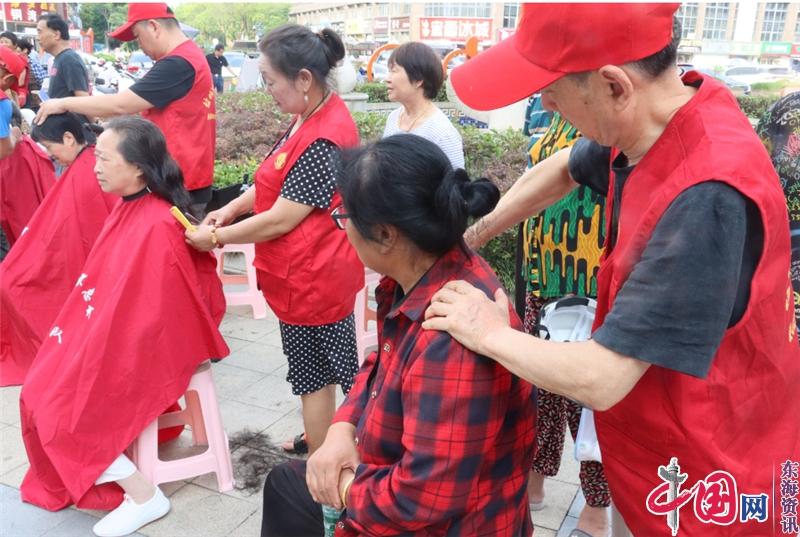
(253, 394)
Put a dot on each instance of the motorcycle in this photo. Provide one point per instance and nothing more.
(112, 78)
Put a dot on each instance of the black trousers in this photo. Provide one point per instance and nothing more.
(289, 510)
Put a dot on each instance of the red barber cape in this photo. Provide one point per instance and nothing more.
(141, 317)
(25, 177)
(41, 269)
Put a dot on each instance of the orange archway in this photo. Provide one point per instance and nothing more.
(470, 50)
(377, 54)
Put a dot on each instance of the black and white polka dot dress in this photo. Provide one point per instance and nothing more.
(324, 354)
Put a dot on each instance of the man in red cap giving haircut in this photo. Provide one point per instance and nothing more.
(694, 363)
(176, 94)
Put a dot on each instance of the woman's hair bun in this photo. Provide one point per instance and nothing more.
(334, 47)
(458, 196)
(480, 196)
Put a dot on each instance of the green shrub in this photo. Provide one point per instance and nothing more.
(247, 125)
(377, 91)
(774, 87)
(107, 56)
(232, 172)
(755, 106)
(502, 157)
(500, 253)
(499, 155)
(370, 125)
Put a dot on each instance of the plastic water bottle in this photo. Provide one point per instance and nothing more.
(330, 517)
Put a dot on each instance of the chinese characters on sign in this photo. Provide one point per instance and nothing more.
(400, 24)
(788, 502)
(26, 12)
(439, 28)
(715, 499)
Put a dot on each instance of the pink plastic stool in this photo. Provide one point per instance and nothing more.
(251, 296)
(366, 337)
(202, 415)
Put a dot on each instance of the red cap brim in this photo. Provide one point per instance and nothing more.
(498, 77)
(124, 32)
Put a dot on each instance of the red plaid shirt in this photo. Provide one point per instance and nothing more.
(445, 435)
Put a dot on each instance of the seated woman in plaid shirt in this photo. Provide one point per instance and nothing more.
(432, 439)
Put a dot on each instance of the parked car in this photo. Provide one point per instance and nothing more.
(737, 87)
(455, 62)
(139, 63)
(781, 72)
(380, 72)
(751, 74)
(235, 60)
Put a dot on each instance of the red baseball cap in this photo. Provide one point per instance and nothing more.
(553, 40)
(138, 12)
(13, 63)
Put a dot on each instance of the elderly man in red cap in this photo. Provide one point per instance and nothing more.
(693, 366)
(176, 94)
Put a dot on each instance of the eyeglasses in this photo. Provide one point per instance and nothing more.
(339, 216)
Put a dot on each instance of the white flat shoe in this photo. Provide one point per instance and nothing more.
(130, 516)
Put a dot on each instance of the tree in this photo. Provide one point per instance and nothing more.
(102, 18)
(229, 22)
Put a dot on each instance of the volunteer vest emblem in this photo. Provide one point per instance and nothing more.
(280, 161)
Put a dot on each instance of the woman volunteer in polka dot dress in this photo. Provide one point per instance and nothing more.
(308, 271)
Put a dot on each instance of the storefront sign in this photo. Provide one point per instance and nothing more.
(400, 24)
(26, 12)
(354, 27)
(796, 49)
(745, 48)
(380, 25)
(448, 29)
(776, 48)
(716, 47)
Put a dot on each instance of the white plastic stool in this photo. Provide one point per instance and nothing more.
(251, 296)
(202, 415)
(366, 336)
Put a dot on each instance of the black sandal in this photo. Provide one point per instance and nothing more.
(298, 445)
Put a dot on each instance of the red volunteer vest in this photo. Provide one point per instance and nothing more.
(190, 123)
(743, 417)
(309, 276)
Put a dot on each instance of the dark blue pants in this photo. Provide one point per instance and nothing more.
(289, 510)
(219, 83)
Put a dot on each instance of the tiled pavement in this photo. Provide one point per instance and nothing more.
(253, 394)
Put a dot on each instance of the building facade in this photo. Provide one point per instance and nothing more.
(762, 32)
(440, 24)
(713, 32)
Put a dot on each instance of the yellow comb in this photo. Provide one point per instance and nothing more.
(179, 216)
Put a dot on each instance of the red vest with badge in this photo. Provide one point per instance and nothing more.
(309, 276)
(743, 417)
(190, 123)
